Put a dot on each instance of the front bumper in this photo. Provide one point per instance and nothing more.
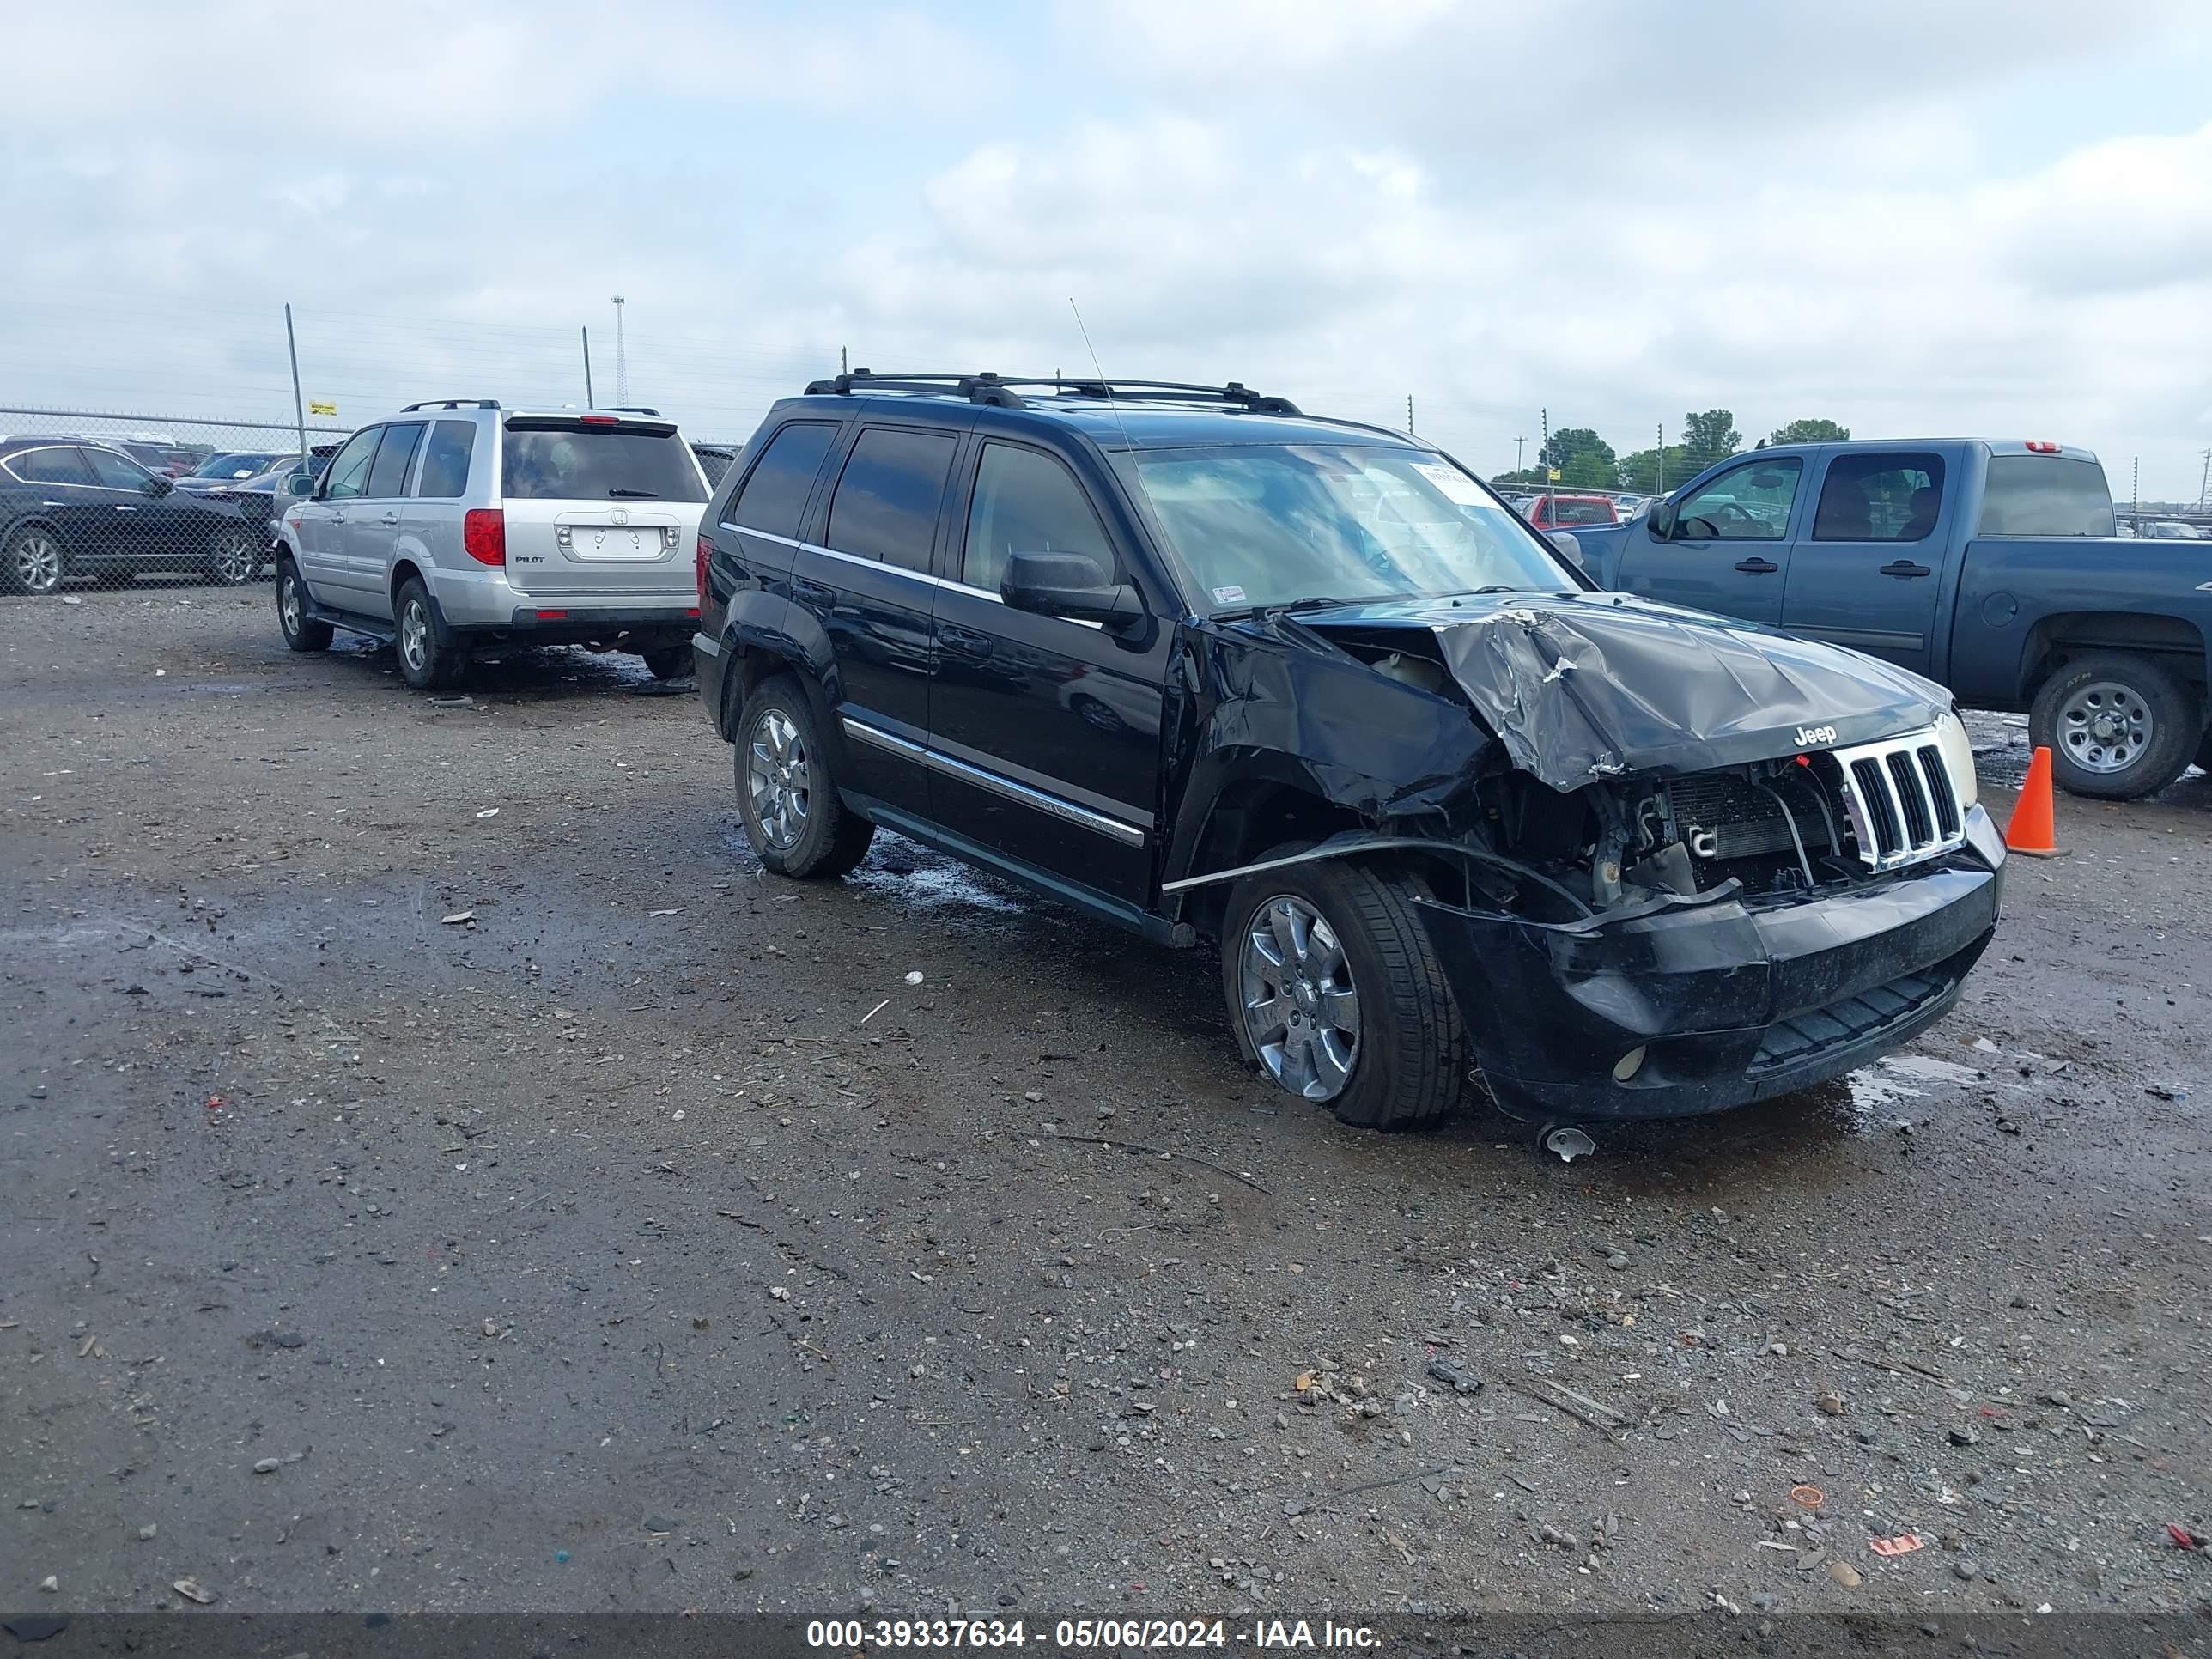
(1731, 1002)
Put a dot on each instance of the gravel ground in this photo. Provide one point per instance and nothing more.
(443, 1172)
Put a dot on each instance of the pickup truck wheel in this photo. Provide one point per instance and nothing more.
(2117, 725)
(1337, 996)
(430, 658)
(301, 631)
(794, 818)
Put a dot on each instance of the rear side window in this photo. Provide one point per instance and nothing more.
(597, 464)
(388, 477)
(55, 466)
(446, 462)
(774, 497)
(1880, 498)
(886, 503)
(2045, 496)
(1026, 502)
(1566, 511)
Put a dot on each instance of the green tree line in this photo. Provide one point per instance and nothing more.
(1586, 461)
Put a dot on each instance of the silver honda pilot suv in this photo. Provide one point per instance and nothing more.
(460, 523)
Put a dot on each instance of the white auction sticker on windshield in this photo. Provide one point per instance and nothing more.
(1456, 485)
(1229, 596)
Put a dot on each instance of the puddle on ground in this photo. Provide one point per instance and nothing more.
(915, 879)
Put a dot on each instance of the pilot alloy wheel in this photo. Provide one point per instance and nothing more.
(1336, 994)
(33, 563)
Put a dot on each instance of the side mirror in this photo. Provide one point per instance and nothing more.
(1660, 518)
(1571, 548)
(158, 486)
(1071, 585)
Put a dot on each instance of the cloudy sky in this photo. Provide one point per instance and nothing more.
(1990, 218)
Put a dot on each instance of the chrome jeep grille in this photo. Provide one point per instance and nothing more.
(1899, 800)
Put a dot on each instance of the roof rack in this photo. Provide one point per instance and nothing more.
(1000, 392)
(451, 403)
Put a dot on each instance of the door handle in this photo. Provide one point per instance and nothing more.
(966, 638)
(1757, 567)
(1904, 569)
(337, 518)
(389, 518)
(126, 509)
(814, 594)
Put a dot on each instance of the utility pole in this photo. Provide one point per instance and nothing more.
(2205, 484)
(1662, 458)
(621, 363)
(844, 360)
(588, 402)
(1544, 459)
(2137, 486)
(1517, 442)
(299, 404)
(1409, 414)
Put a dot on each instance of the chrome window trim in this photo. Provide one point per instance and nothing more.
(865, 563)
(43, 484)
(1128, 835)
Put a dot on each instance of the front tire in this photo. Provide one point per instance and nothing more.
(2118, 724)
(430, 658)
(793, 815)
(235, 558)
(301, 631)
(1336, 993)
(34, 562)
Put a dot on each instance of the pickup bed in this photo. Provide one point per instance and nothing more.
(1990, 566)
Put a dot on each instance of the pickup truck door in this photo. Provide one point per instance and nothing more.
(1868, 571)
(1728, 547)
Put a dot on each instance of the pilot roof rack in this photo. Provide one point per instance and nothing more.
(1001, 391)
(453, 403)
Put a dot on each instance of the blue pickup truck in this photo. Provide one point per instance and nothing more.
(1992, 567)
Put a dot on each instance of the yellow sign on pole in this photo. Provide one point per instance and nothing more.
(317, 408)
(1552, 473)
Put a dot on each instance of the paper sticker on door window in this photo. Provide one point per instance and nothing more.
(1229, 596)
(1457, 487)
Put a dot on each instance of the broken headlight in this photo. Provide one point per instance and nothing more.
(1958, 751)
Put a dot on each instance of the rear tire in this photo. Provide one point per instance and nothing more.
(2118, 724)
(2204, 753)
(668, 662)
(301, 631)
(788, 799)
(1295, 942)
(34, 562)
(430, 658)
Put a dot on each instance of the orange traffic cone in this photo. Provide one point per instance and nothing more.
(2031, 830)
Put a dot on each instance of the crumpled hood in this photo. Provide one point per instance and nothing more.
(1589, 686)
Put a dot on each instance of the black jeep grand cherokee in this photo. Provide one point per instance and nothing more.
(1208, 667)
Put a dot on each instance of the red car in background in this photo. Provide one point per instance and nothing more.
(1559, 511)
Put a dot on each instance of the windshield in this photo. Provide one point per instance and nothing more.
(582, 464)
(242, 465)
(1268, 524)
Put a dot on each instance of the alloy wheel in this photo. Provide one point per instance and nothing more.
(779, 780)
(1300, 1008)
(38, 563)
(414, 636)
(236, 559)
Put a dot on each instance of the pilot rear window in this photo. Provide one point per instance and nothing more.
(597, 464)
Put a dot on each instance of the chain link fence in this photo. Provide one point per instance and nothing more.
(92, 498)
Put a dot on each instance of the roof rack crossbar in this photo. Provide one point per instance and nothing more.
(453, 403)
(1002, 391)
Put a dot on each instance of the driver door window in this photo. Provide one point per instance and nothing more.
(1026, 502)
(1748, 503)
(348, 473)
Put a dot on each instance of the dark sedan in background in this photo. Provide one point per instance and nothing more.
(230, 468)
(79, 509)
